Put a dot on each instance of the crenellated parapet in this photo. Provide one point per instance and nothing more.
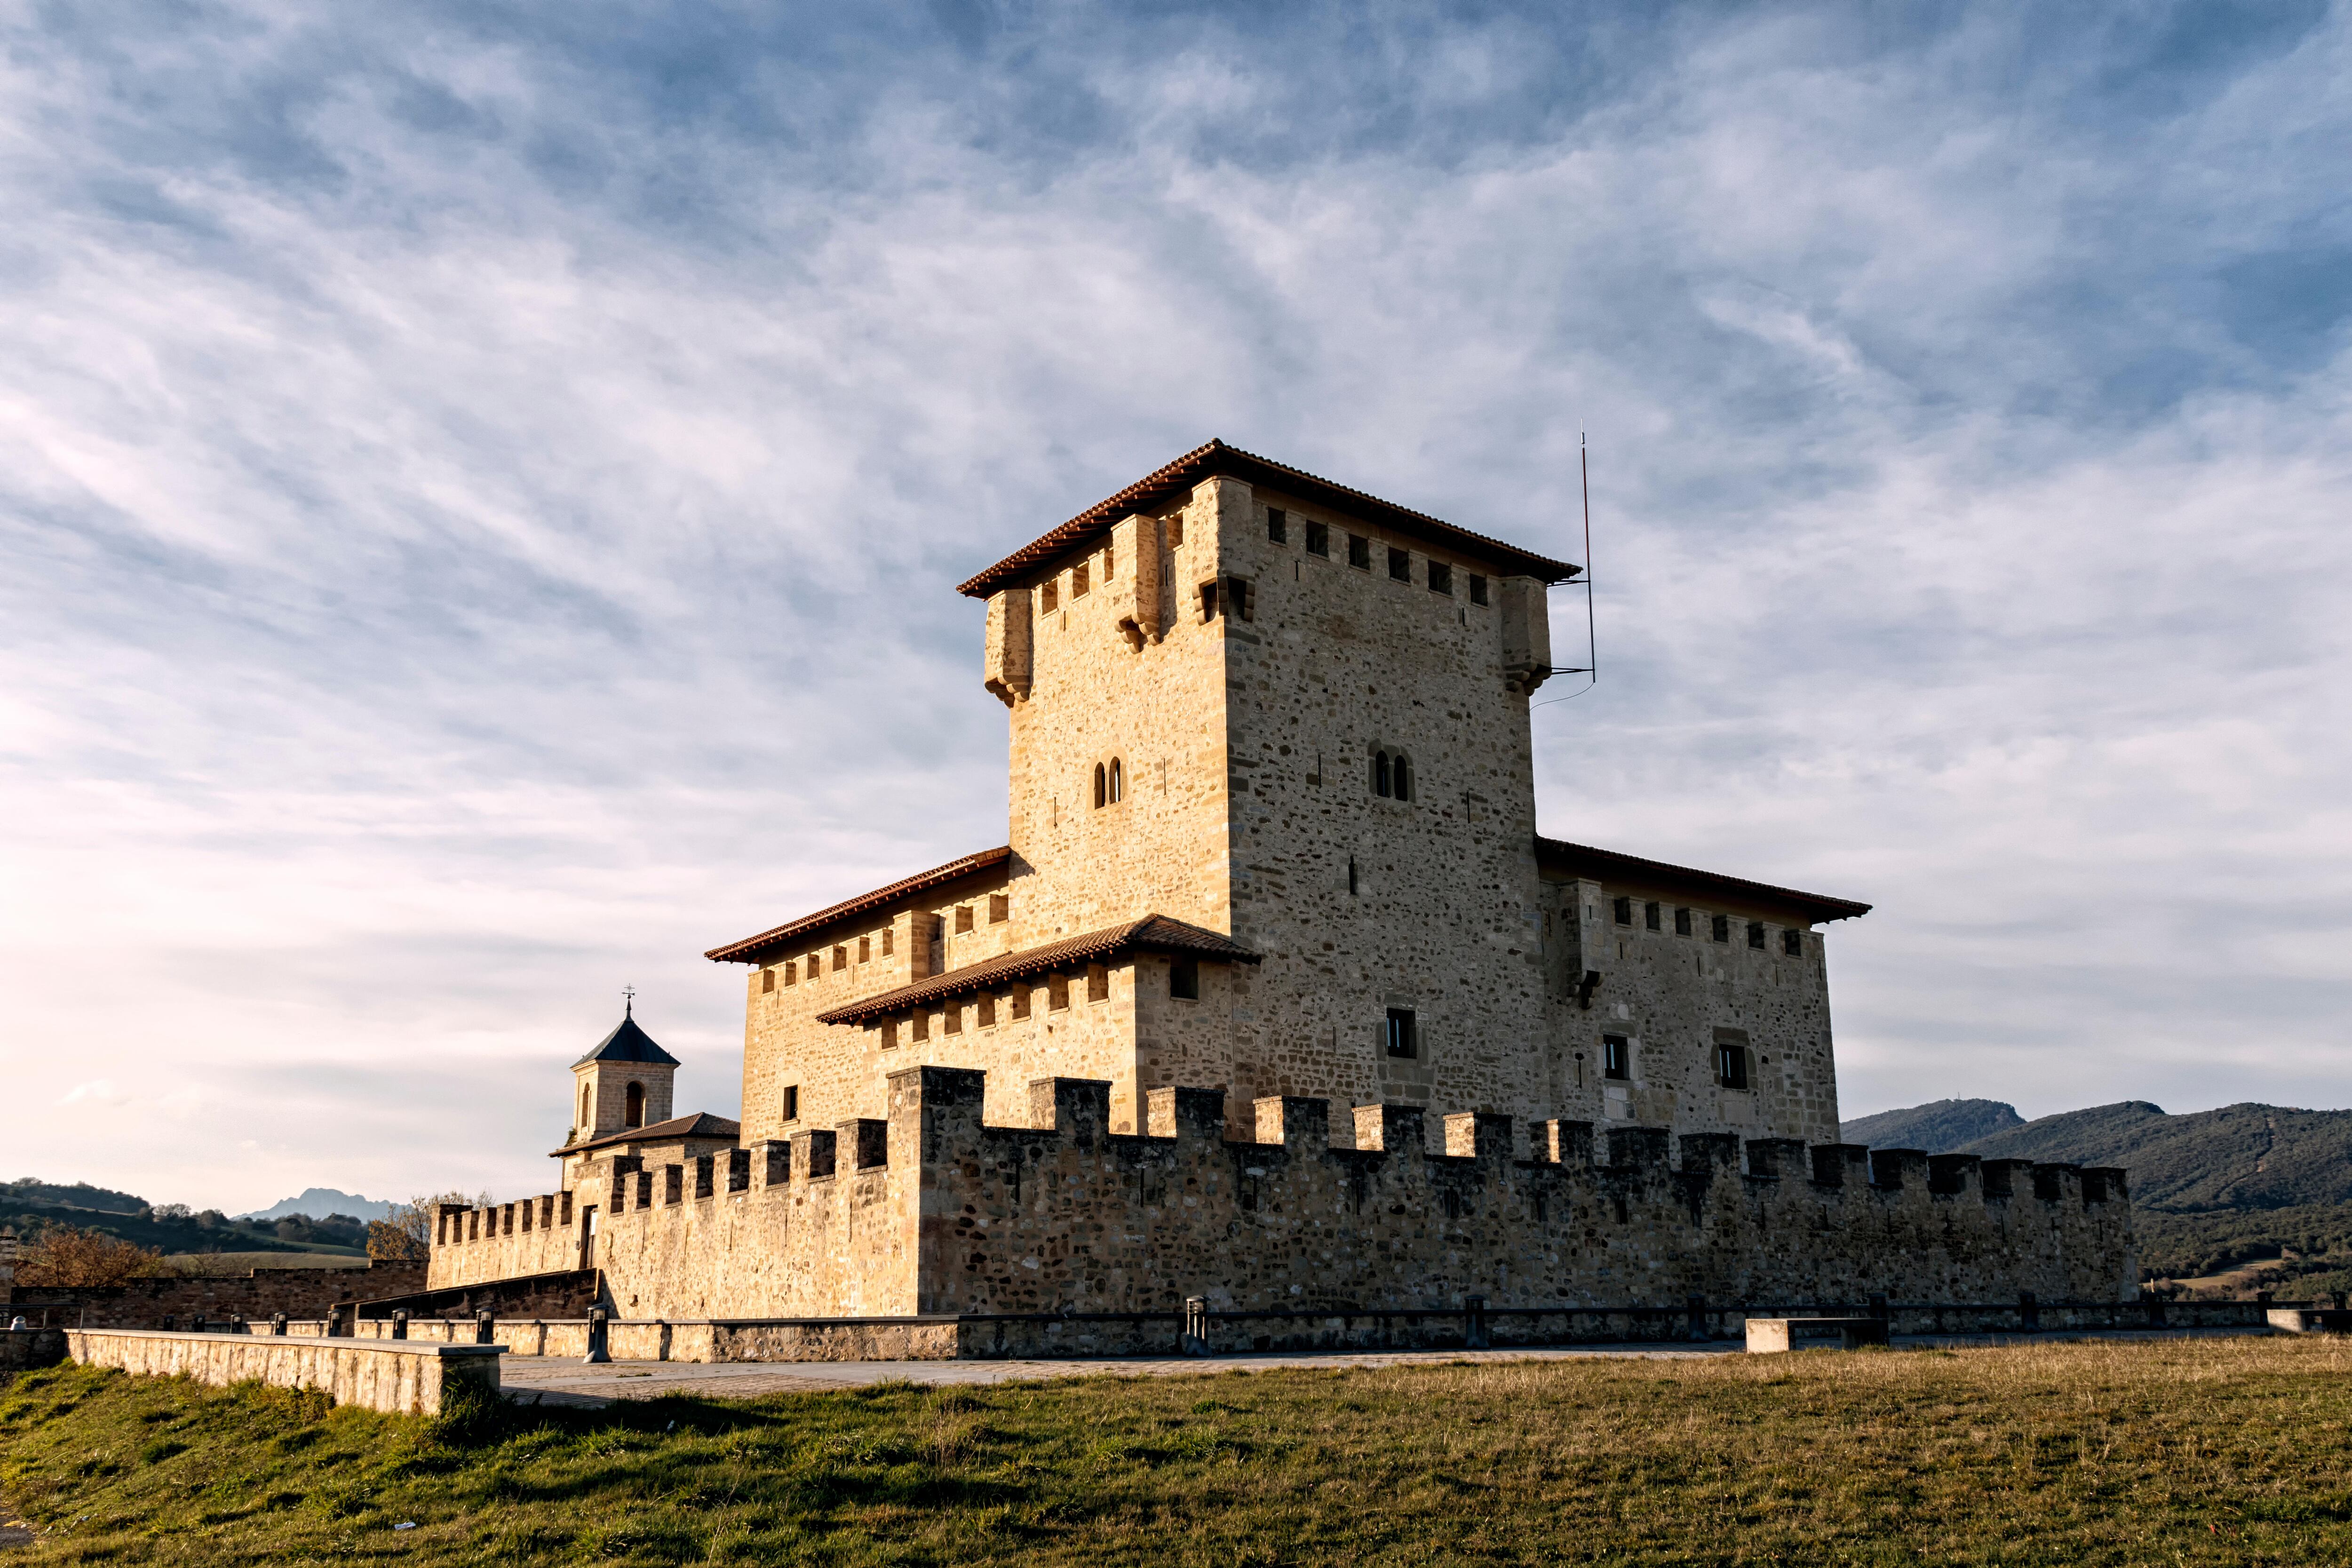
(933, 1210)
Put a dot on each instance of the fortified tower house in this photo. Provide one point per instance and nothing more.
(1290, 712)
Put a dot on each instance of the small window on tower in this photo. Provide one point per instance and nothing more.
(987, 1009)
(952, 1018)
(1209, 600)
(865, 950)
(1238, 598)
(1050, 596)
(1441, 578)
(791, 973)
(635, 1115)
(1078, 581)
(791, 1106)
(767, 980)
(1110, 562)
(1359, 551)
(1681, 922)
(1651, 915)
(1624, 911)
(1117, 782)
(1058, 992)
(1277, 526)
(922, 1029)
(1720, 928)
(1381, 784)
(1318, 540)
(1176, 531)
(1400, 565)
(1402, 772)
(963, 919)
(1000, 909)
(887, 937)
(1755, 935)
(1020, 1002)
(1616, 1058)
(1184, 979)
(1478, 589)
(1792, 942)
(1731, 1066)
(841, 957)
(1400, 1037)
(1102, 787)
(1097, 982)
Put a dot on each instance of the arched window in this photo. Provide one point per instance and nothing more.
(1381, 775)
(636, 1115)
(1099, 797)
(1403, 775)
(583, 1105)
(1117, 783)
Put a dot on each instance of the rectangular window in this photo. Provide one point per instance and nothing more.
(1720, 928)
(1792, 942)
(1110, 562)
(922, 1030)
(1478, 589)
(1400, 565)
(987, 1009)
(1318, 540)
(865, 950)
(1078, 581)
(952, 1018)
(1731, 1066)
(1277, 526)
(1058, 992)
(1755, 935)
(1000, 909)
(886, 939)
(792, 1106)
(1401, 1036)
(1681, 922)
(767, 980)
(1209, 600)
(1441, 578)
(841, 957)
(889, 1034)
(1097, 982)
(1650, 915)
(1624, 911)
(1184, 979)
(1616, 1058)
(791, 973)
(1238, 598)
(963, 919)
(1176, 531)
(815, 964)
(1020, 1002)
(1050, 596)
(1359, 551)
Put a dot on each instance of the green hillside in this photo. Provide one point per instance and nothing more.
(1939, 1126)
(2238, 1157)
(172, 1229)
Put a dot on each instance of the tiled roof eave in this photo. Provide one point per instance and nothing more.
(748, 950)
(1153, 934)
(1814, 906)
(1215, 458)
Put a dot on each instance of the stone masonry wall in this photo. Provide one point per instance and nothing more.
(954, 1216)
(256, 1296)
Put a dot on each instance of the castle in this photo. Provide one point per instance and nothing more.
(1272, 847)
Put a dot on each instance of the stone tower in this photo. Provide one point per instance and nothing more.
(624, 1082)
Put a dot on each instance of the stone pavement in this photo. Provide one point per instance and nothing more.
(531, 1380)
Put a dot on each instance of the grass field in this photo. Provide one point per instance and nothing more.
(2216, 1451)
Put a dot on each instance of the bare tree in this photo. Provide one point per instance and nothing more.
(405, 1235)
(67, 1257)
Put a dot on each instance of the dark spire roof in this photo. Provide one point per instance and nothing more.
(628, 1044)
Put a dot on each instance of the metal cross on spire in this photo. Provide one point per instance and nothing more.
(628, 1001)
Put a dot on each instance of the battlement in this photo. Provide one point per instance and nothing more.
(932, 1209)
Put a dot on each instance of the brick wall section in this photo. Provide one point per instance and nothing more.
(964, 1217)
(256, 1296)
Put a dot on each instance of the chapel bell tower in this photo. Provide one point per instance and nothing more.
(624, 1082)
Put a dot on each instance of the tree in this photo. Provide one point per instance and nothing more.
(405, 1235)
(66, 1256)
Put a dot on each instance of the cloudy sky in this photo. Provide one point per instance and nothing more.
(482, 487)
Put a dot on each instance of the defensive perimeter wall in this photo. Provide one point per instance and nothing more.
(932, 1212)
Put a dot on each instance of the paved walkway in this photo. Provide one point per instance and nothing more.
(535, 1380)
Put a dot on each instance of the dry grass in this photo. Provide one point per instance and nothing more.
(2216, 1451)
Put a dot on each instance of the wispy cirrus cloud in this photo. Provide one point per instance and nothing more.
(483, 488)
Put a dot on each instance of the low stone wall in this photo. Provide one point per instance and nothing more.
(256, 1296)
(399, 1378)
(22, 1349)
